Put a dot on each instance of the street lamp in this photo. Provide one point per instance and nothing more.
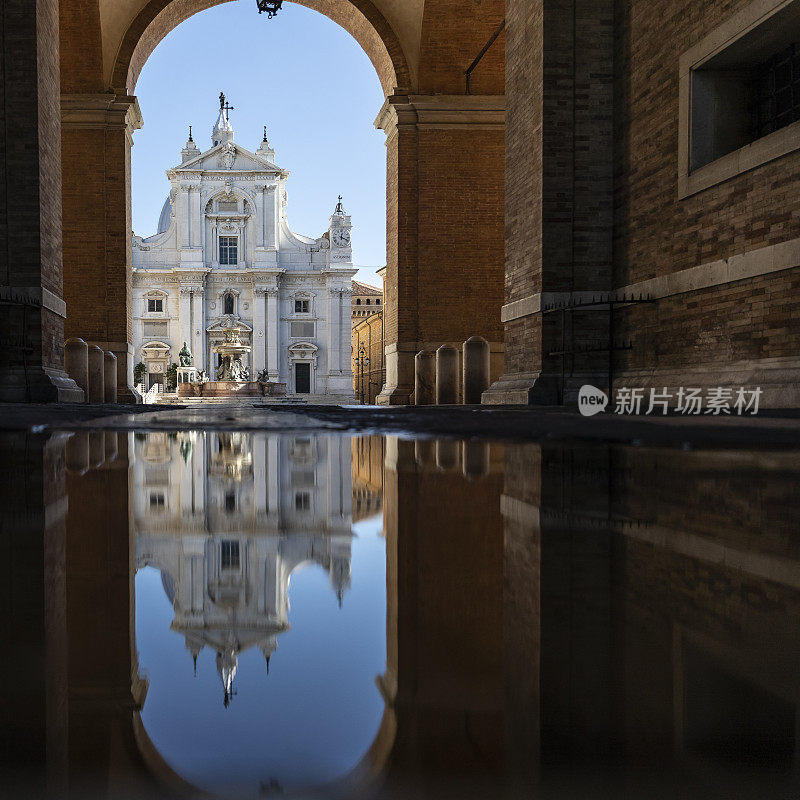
(362, 360)
(272, 7)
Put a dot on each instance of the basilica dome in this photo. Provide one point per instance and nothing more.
(163, 220)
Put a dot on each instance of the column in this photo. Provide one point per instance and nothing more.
(184, 216)
(32, 323)
(271, 202)
(559, 203)
(273, 334)
(345, 362)
(96, 140)
(436, 234)
(199, 328)
(185, 314)
(334, 329)
(259, 330)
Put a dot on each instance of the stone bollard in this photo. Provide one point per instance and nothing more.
(76, 363)
(424, 378)
(109, 377)
(475, 356)
(446, 375)
(78, 452)
(96, 389)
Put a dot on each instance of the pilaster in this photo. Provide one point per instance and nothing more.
(559, 205)
(260, 337)
(273, 334)
(444, 220)
(96, 140)
(31, 288)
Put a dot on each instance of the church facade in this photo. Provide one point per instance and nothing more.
(224, 257)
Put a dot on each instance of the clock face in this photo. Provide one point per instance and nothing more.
(341, 237)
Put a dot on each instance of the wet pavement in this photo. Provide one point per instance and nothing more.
(254, 603)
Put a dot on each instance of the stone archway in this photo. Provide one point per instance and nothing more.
(445, 222)
(360, 18)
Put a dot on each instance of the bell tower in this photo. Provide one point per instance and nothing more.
(339, 232)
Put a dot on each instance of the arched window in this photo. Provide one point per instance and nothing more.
(377, 302)
(228, 303)
(367, 301)
(358, 301)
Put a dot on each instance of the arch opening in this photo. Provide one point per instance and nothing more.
(360, 18)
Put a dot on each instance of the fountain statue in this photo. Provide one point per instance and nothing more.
(231, 352)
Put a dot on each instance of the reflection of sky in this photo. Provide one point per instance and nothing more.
(306, 723)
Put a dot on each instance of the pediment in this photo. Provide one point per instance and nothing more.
(227, 322)
(220, 157)
(303, 347)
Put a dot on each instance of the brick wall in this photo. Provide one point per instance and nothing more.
(656, 233)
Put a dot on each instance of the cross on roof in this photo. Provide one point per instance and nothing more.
(223, 106)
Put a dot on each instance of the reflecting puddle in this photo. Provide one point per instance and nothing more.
(248, 614)
(236, 533)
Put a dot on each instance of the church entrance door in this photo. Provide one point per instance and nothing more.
(302, 378)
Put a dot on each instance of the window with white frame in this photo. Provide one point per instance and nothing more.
(155, 304)
(229, 303)
(301, 306)
(229, 250)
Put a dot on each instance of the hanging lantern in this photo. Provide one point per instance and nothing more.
(272, 7)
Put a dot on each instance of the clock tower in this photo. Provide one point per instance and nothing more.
(339, 231)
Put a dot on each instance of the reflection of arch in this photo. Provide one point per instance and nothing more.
(360, 18)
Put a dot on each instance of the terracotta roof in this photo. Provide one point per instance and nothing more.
(365, 288)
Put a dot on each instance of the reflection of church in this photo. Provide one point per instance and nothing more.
(227, 518)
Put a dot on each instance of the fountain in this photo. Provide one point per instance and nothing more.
(231, 351)
(233, 376)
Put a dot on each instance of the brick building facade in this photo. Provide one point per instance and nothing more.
(367, 353)
(617, 186)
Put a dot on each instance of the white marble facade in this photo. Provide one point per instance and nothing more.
(227, 518)
(224, 255)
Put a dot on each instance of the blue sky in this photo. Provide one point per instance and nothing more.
(299, 74)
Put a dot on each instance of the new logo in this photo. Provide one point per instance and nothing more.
(591, 400)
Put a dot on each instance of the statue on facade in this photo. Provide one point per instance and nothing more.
(185, 356)
(202, 376)
(263, 376)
